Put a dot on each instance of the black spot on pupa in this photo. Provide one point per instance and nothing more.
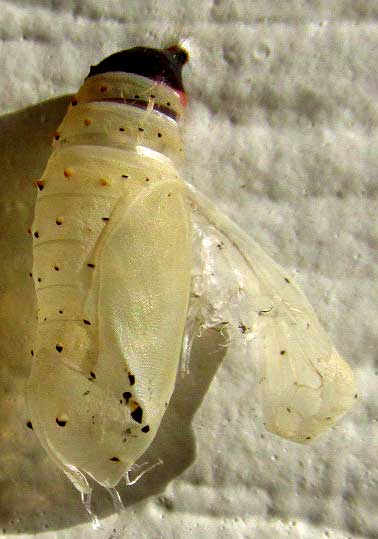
(74, 101)
(283, 352)
(56, 268)
(86, 393)
(145, 429)
(131, 379)
(87, 322)
(242, 328)
(30, 274)
(36, 234)
(159, 135)
(124, 176)
(39, 280)
(61, 422)
(92, 375)
(105, 218)
(127, 396)
(137, 414)
(136, 96)
(356, 396)
(264, 311)
(60, 311)
(115, 459)
(287, 280)
(91, 265)
(308, 437)
(29, 425)
(121, 128)
(32, 352)
(40, 185)
(59, 348)
(140, 129)
(288, 410)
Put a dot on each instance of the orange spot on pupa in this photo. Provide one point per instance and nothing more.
(103, 88)
(87, 121)
(56, 135)
(74, 101)
(29, 231)
(68, 172)
(104, 182)
(133, 405)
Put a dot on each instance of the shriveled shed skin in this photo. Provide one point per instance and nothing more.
(305, 384)
(112, 265)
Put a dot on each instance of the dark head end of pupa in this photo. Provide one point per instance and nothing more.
(161, 65)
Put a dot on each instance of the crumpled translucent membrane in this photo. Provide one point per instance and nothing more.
(305, 384)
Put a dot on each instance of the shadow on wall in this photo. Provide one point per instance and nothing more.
(34, 494)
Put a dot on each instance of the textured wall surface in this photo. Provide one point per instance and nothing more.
(282, 134)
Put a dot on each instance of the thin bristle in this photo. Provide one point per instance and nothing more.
(182, 46)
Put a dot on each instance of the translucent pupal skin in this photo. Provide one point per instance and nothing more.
(112, 261)
(305, 384)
